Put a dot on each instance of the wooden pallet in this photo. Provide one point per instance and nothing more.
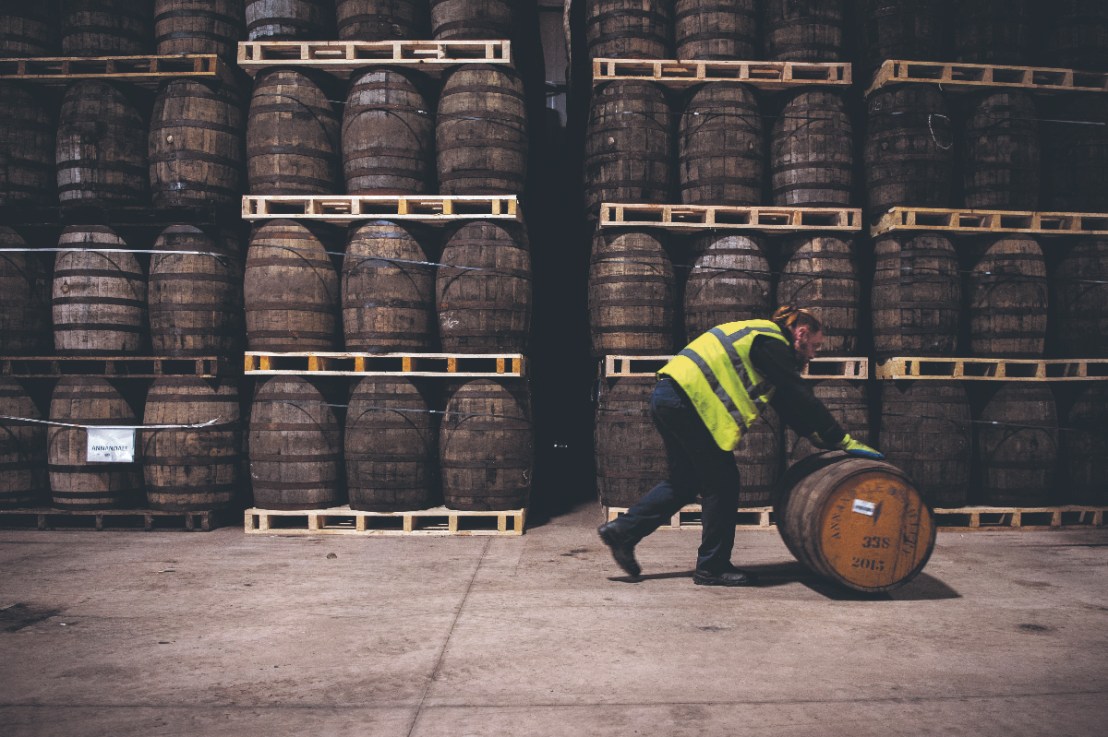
(451, 365)
(343, 58)
(43, 518)
(346, 209)
(992, 369)
(146, 71)
(343, 520)
(725, 217)
(113, 367)
(1019, 518)
(689, 516)
(679, 74)
(990, 221)
(958, 77)
(832, 367)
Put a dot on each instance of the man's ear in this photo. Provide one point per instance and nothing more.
(800, 332)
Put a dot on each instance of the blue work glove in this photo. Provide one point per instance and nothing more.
(861, 450)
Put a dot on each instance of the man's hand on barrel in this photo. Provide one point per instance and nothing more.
(854, 448)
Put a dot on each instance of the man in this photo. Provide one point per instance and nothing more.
(705, 399)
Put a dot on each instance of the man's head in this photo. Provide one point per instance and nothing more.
(803, 328)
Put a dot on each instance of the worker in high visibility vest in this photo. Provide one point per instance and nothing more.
(705, 399)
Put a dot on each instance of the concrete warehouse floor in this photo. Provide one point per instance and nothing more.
(164, 633)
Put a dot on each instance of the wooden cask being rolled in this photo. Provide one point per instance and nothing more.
(199, 27)
(627, 145)
(100, 148)
(1001, 162)
(1017, 446)
(721, 147)
(390, 447)
(195, 295)
(803, 30)
(472, 19)
(75, 482)
(900, 29)
(24, 300)
(821, 274)
(98, 300)
(1085, 446)
(631, 295)
(382, 20)
(1077, 35)
(191, 468)
(295, 447)
(106, 28)
(812, 152)
(196, 148)
(630, 454)
(848, 403)
(629, 29)
(277, 20)
(1075, 153)
(22, 449)
(730, 280)
(481, 132)
(483, 290)
(916, 297)
(388, 291)
(28, 29)
(716, 29)
(994, 31)
(388, 135)
(855, 522)
(292, 136)
(486, 447)
(1008, 298)
(27, 148)
(927, 431)
(909, 149)
(290, 291)
(1079, 300)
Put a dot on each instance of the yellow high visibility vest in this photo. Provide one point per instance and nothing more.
(717, 376)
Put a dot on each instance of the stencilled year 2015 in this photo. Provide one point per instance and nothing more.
(868, 564)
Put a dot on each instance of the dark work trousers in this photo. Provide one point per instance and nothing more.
(696, 465)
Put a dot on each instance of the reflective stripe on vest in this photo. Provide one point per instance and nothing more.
(716, 374)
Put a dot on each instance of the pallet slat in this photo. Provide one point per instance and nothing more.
(917, 368)
(990, 221)
(346, 209)
(455, 365)
(958, 77)
(342, 58)
(767, 75)
(118, 367)
(726, 217)
(343, 520)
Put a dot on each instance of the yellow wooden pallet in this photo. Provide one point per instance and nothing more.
(914, 368)
(689, 516)
(346, 209)
(827, 367)
(958, 77)
(343, 520)
(990, 221)
(131, 367)
(342, 58)
(452, 365)
(767, 75)
(141, 70)
(1019, 518)
(727, 217)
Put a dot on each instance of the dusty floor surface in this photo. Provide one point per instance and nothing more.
(171, 633)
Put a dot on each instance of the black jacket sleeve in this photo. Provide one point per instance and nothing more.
(794, 401)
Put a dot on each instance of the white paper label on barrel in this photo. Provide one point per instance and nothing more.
(111, 445)
(863, 507)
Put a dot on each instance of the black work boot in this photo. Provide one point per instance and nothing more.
(729, 577)
(622, 549)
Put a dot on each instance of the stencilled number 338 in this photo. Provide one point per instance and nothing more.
(875, 542)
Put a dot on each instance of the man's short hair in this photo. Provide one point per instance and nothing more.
(789, 317)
